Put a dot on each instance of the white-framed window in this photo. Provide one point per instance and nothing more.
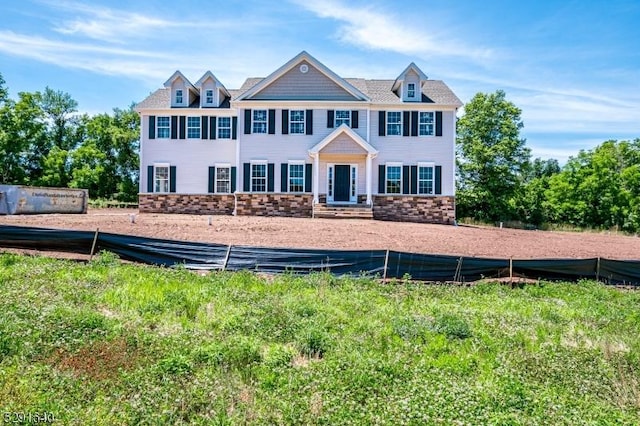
(427, 121)
(426, 178)
(411, 90)
(394, 123)
(296, 121)
(259, 177)
(161, 177)
(208, 96)
(296, 176)
(393, 179)
(259, 121)
(179, 97)
(193, 127)
(224, 127)
(162, 128)
(223, 179)
(342, 117)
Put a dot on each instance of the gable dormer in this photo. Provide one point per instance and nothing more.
(183, 93)
(212, 92)
(408, 85)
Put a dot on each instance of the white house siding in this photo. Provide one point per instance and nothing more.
(294, 85)
(191, 157)
(359, 160)
(411, 150)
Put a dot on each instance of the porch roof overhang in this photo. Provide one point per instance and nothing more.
(343, 130)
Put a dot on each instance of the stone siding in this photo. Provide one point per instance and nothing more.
(409, 208)
(275, 204)
(216, 204)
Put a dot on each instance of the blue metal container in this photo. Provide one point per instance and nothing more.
(18, 199)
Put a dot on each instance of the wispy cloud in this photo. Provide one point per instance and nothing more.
(381, 30)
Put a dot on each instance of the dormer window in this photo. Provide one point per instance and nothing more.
(411, 90)
(179, 96)
(209, 97)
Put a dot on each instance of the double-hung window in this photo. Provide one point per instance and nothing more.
(296, 177)
(259, 121)
(179, 96)
(223, 179)
(258, 177)
(224, 127)
(394, 178)
(394, 123)
(425, 178)
(296, 122)
(193, 127)
(160, 178)
(209, 97)
(426, 125)
(411, 90)
(342, 117)
(162, 128)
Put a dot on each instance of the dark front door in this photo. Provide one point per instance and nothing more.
(342, 185)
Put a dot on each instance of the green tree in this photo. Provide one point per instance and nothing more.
(491, 157)
(528, 203)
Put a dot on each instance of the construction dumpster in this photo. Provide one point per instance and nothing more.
(18, 199)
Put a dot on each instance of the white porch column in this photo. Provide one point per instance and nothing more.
(369, 178)
(316, 177)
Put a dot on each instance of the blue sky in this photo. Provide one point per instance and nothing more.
(573, 67)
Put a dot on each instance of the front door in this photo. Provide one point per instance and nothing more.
(342, 183)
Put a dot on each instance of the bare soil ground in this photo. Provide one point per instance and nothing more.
(346, 234)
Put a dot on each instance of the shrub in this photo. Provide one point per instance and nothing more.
(452, 326)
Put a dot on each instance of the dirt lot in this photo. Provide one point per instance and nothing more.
(346, 234)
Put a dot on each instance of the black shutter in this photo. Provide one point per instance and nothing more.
(330, 115)
(270, 177)
(183, 127)
(414, 123)
(152, 127)
(405, 179)
(284, 172)
(233, 179)
(149, 178)
(172, 179)
(308, 175)
(234, 127)
(381, 179)
(204, 123)
(212, 178)
(414, 179)
(382, 127)
(438, 189)
(405, 123)
(247, 121)
(174, 127)
(285, 121)
(272, 121)
(212, 127)
(308, 127)
(438, 123)
(246, 184)
(354, 119)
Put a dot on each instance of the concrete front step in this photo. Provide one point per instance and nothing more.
(357, 211)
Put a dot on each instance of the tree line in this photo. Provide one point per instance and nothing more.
(44, 141)
(498, 180)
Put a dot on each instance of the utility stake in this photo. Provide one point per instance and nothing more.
(511, 269)
(386, 262)
(93, 246)
(132, 218)
(210, 220)
(226, 259)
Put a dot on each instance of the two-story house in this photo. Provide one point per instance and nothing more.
(301, 142)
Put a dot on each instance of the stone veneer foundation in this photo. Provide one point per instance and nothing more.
(186, 203)
(274, 204)
(408, 208)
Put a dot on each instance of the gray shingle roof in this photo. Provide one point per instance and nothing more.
(434, 92)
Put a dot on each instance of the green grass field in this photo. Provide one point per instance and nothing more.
(104, 343)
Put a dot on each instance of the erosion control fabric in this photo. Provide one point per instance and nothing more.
(382, 263)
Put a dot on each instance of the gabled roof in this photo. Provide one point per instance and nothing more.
(177, 75)
(400, 79)
(209, 75)
(343, 129)
(300, 57)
